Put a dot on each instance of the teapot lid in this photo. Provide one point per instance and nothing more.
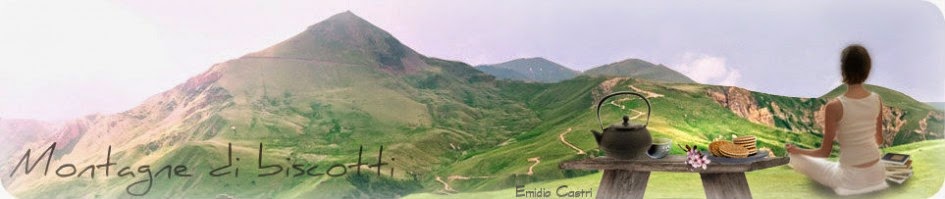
(626, 126)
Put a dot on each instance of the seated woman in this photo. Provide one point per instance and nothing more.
(855, 120)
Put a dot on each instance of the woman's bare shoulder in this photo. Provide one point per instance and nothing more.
(834, 103)
(834, 107)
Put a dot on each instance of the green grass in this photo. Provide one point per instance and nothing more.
(778, 182)
(446, 120)
(681, 115)
(326, 124)
(938, 105)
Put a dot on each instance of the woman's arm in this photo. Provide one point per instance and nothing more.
(832, 116)
(879, 125)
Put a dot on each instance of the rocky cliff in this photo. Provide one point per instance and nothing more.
(743, 104)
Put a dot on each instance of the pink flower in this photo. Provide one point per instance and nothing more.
(695, 159)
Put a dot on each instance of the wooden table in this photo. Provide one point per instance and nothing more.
(628, 178)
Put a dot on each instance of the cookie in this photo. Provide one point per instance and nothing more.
(714, 147)
(744, 139)
(733, 151)
(751, 150)
(748, 142)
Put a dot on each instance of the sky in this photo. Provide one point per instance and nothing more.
(66, 59)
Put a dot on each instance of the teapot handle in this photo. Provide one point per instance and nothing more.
(601, 102)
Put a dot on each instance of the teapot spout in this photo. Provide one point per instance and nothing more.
(597, 136)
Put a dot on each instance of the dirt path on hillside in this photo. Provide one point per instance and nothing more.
(648, 94)
(565, 142)
(614, 102)
(530, 169)
(638, 114)
(446, 184)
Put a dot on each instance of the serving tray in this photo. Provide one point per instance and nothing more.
(761, 154)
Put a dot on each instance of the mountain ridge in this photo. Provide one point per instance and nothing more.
(534, 69)
(637, 68)
(346, 38)
(314, 97)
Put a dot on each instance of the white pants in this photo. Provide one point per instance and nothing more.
(843, 179)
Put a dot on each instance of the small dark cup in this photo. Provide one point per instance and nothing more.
(659, 148)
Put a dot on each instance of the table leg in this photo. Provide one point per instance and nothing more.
(725, 185)
(622, 184)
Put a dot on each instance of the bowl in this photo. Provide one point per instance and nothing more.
(659, 148)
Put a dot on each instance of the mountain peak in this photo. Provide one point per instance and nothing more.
(636, 62)
(346, 38)
(637, 68)
(533, 69)
(534, 59)
(346, 17)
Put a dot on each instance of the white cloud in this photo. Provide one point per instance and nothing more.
(709, 69)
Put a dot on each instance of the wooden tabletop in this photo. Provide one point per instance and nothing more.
(671, 163)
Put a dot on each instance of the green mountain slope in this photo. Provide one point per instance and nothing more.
(504, 73)
(680, 112)
(687, 113)
(315, 98)
(343, 84)
(937, 105)
(535, 69)
(636, 68)
(925, 183)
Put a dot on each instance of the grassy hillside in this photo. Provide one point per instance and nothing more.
(890, 97)
(504, 73)
(778, 182)
(937, 105)
(680, 112)
(315, 98)
(684, 112)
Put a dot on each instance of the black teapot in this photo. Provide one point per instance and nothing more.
(624, 140)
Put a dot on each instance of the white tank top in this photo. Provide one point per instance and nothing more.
(856, 131)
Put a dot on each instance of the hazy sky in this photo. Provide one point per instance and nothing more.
(64, 59)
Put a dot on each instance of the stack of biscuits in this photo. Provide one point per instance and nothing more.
(747, 142)
(739, 147)
(732, 151)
